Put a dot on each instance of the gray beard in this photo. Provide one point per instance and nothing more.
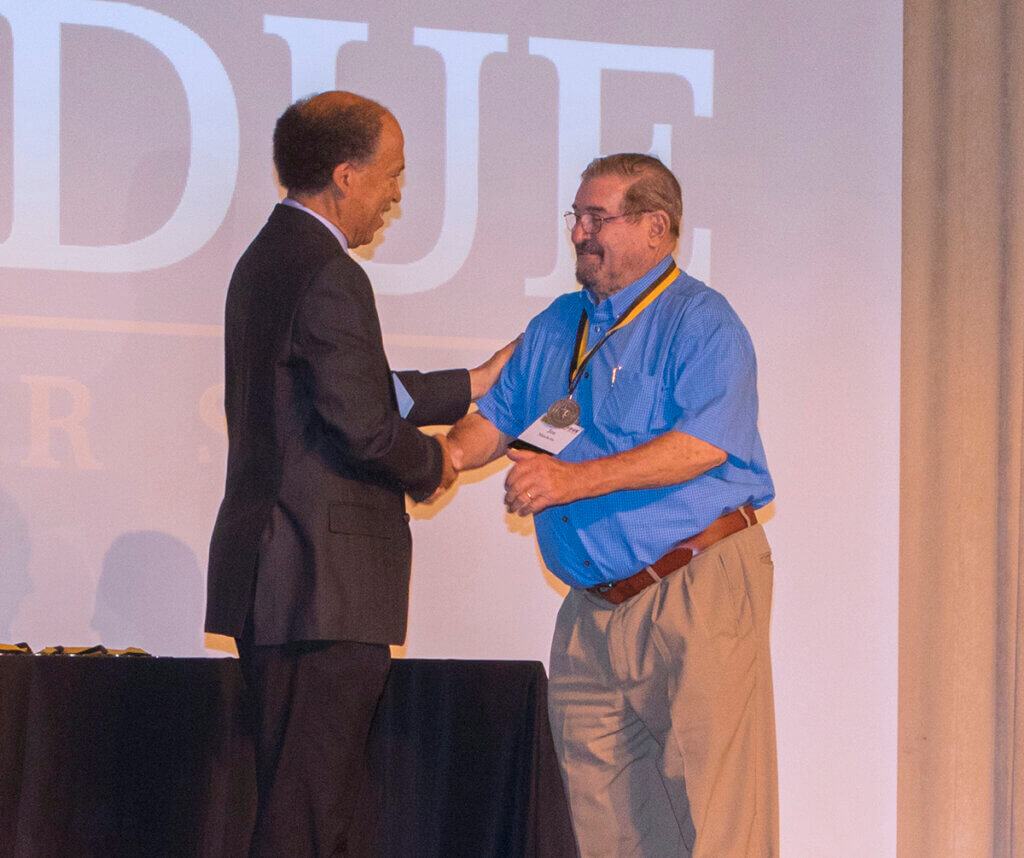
(585, 282)
(582, 279)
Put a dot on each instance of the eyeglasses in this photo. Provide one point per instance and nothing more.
(592, 223)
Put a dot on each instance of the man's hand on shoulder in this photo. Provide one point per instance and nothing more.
(538, 481)
(482, 378)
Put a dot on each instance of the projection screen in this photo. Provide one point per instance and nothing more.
(135, 167)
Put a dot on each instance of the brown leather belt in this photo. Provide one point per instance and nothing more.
(617, 592)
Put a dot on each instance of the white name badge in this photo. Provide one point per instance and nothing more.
(550, 439)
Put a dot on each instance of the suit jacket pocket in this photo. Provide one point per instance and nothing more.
(359, 520)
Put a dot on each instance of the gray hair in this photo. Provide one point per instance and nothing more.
(653, 187)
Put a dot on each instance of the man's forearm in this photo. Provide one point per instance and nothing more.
(667, 460)
(537, 482)
(474, 441)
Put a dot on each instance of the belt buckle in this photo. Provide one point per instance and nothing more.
(604, 587)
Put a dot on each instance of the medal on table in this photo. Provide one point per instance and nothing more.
(554, 430)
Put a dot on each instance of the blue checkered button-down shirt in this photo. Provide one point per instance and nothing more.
(687, 364)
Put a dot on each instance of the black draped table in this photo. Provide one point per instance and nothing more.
(151, 757)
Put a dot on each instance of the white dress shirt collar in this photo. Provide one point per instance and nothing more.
(337, 233)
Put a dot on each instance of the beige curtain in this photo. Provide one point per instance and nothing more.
(961, 663)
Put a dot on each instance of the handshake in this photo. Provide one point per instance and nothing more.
(481, 379)
(450, 470)
(475, 441)
(536, 481)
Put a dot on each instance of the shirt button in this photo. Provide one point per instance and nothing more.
(565, 518)
(586, 562)
(586, 375)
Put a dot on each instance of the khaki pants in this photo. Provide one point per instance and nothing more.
(662, 711)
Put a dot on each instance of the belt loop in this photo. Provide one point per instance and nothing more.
(653, 574)
(751, 517)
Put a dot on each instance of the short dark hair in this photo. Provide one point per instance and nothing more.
(316, 134)
(654, 188)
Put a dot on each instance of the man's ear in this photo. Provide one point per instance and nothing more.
(342, 177)
(659, 226)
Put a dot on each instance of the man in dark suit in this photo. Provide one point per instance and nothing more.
(310, 555)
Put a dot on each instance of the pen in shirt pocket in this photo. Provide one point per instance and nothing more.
(615, 372)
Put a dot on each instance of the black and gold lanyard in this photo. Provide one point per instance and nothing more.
(581, 356)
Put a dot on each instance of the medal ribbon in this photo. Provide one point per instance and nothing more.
(581, 356)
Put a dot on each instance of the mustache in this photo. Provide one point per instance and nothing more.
(589, 247)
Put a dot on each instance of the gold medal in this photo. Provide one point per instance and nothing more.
(563, 413)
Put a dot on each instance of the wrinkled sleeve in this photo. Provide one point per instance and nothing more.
(715, 386)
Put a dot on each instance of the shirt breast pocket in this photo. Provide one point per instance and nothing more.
(636, 404)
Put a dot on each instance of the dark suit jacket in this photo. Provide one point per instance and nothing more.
(312, 532)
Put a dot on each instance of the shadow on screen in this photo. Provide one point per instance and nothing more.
(15, 583)
(150, 595)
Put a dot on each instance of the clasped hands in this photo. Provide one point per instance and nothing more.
(448, 471)
(535, 482)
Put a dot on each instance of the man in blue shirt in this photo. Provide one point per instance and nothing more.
(630, 415)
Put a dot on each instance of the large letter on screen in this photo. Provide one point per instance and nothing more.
(34, 241)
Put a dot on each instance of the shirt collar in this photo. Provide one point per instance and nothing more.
(337, 233)
(618, 302)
